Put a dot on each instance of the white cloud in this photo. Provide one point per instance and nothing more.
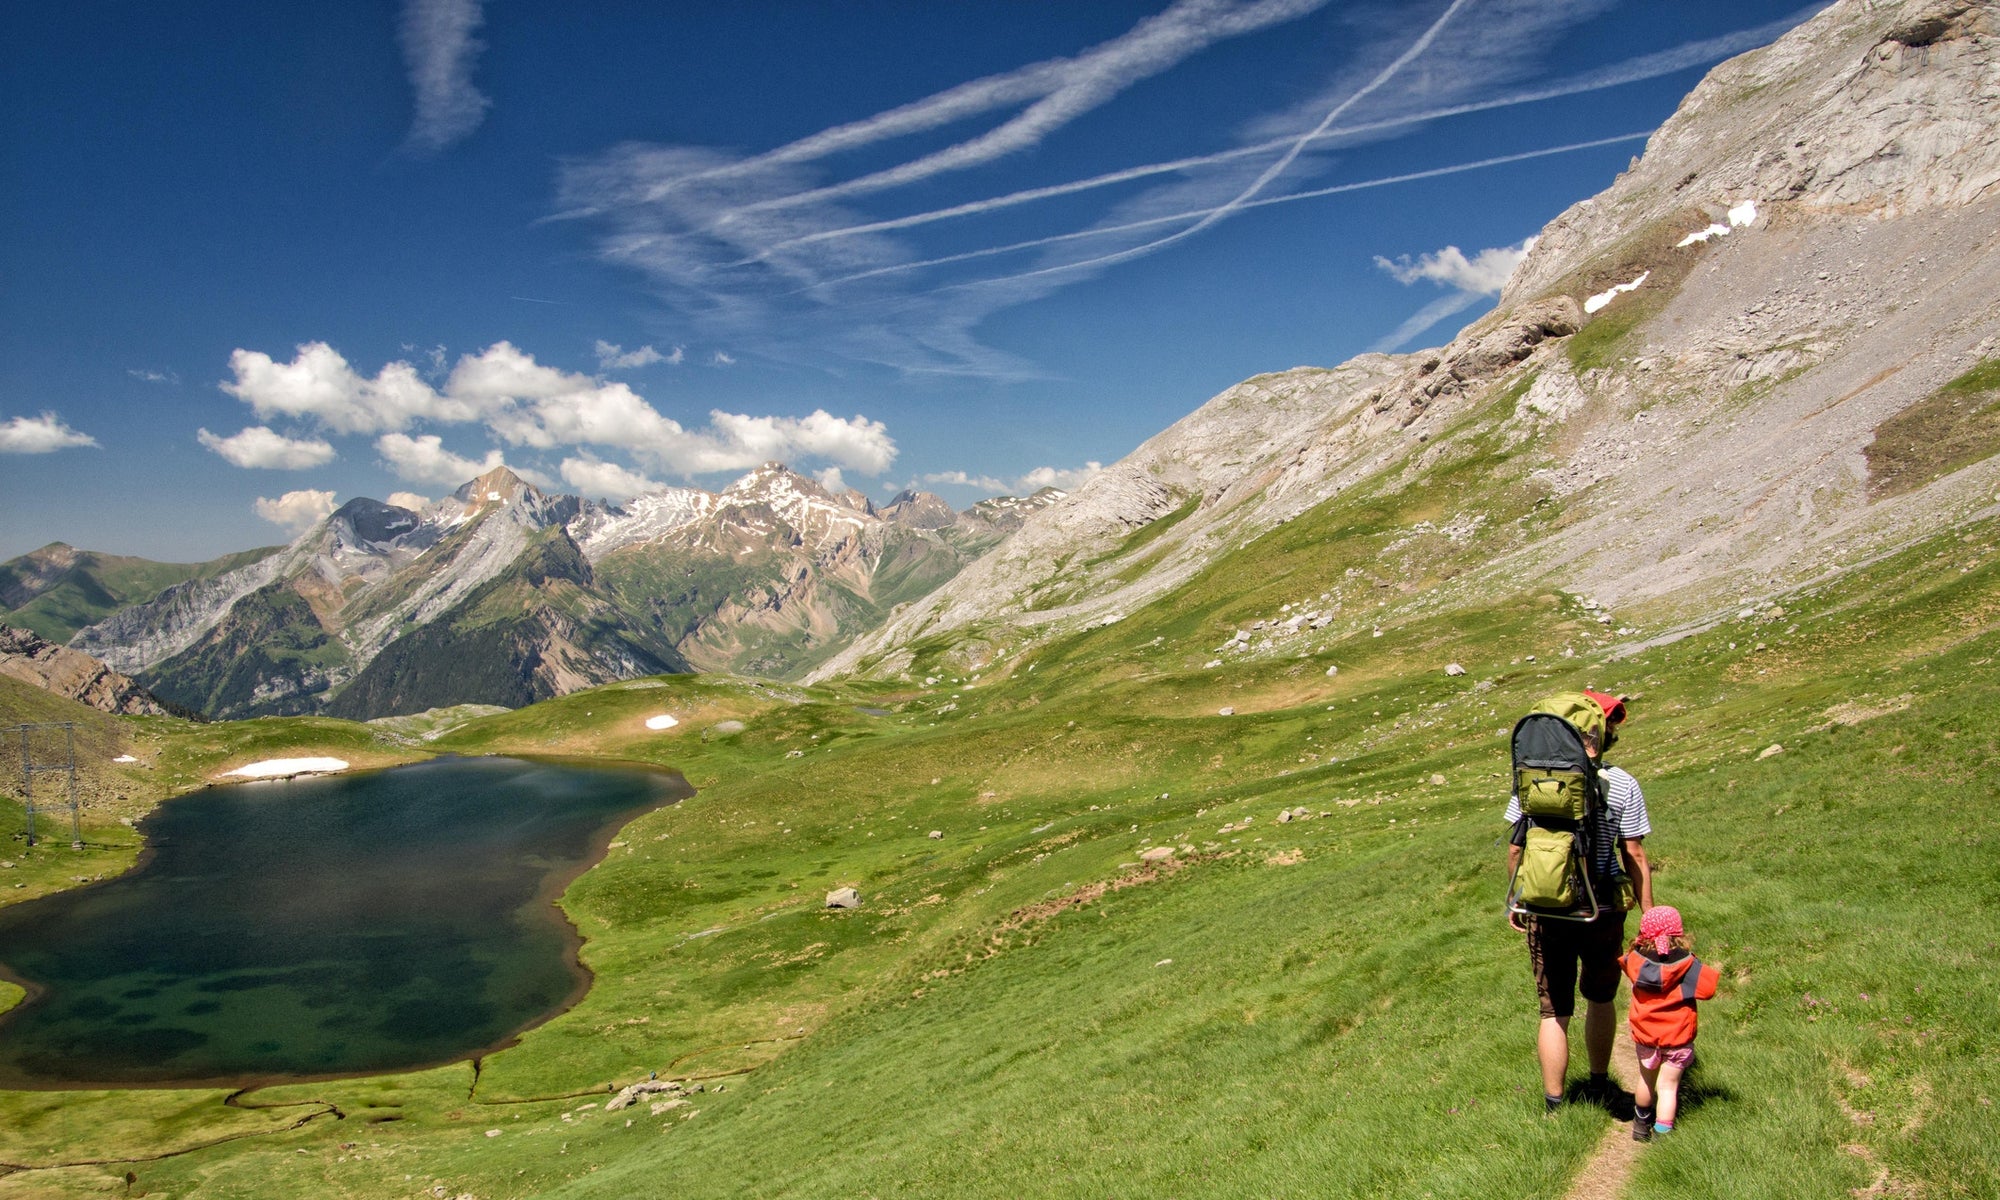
(262, 447)
(676, 356)
(409, 500)
(985, 483)
(425, 460)
(146, 376)
(612, 357)
(1065, 478)
(439, 49)
(40, 435)
(1068, 479)
(831, 480)
(722, 360)
(319, 383)
(525, 403)
(1484, 274)
(593, 476)
(296, 511)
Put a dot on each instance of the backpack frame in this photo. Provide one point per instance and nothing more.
(1557, 786)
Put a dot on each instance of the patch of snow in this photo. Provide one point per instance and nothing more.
(1701, 235)
(124, 758)
(1743, 214)
(1607, 296)
(272, 768)
(663, 721)
(493, 495)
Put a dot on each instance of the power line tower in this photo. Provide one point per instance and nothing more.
(66, 763)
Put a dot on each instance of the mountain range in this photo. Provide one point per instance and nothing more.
(502, 594)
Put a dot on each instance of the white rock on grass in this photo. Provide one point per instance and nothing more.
(1770, 750)
(663, 721)
(1454, 669)
(845, 897)
(1156, 853)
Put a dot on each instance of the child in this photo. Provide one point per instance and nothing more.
(1666, 981)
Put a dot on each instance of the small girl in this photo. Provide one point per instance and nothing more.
(1667, 979)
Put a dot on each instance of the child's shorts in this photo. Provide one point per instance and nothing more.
(1650, 1057)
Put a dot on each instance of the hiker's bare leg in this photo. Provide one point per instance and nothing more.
(1670, 1091)
(1600, 1025)
(1643, 1095)
(1552, 1047)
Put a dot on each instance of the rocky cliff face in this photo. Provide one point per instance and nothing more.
(1707, 368)
(36, 660)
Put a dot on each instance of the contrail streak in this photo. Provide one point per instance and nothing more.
(1171, 218)
(1650, 66)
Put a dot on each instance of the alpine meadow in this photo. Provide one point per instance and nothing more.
(1170, 800)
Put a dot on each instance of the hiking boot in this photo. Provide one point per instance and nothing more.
(1642, 1129)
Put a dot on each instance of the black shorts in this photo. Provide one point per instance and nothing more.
(1566, 954)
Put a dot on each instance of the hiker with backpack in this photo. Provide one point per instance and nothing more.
(1667, 979)
(1576, 864)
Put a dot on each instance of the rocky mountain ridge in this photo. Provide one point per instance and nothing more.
(1703, 369)
(35, 660)
(500, 593)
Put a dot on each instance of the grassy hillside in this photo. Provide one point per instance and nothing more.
(58, 589)
(1330, 1006)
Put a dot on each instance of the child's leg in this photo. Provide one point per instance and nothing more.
(1669, 1091)
(1642, 1096)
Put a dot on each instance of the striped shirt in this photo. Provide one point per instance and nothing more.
(1625, 807)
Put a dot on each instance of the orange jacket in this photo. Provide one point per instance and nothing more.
(1663, 995)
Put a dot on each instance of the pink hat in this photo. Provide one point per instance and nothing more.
(1660, 925)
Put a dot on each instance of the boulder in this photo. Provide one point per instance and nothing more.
(1454, 669)
(845, 897)
(1156, 853)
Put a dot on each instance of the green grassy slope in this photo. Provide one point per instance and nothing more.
(56, 601)
(1327, 1007)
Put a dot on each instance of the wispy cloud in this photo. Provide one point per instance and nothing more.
(439, 49)
(168, 378)
(786, 255)
(616, 358)
(40, 435)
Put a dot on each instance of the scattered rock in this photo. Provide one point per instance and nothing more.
(936, 834)
(1156, 853)
(1437, 781)
(1768, 751)
(726, 727)
(1225, 712)
(1284, 818)
(845, 897)
(1454, 669)
(1332, 671)
(630, 1095)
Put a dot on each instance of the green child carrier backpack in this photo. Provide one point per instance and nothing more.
(1562, 803)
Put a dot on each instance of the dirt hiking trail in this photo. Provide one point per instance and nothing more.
(1610, 1166)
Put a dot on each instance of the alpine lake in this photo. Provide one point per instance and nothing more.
(327, 926)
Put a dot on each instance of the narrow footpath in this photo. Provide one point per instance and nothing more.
(1611, 1164)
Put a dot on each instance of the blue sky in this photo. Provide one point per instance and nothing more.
(260, 259)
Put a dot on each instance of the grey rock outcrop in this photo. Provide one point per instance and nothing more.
(72, 674)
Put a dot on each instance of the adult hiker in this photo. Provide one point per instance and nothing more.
(1571, 955)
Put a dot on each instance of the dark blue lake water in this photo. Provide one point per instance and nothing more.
(318, 927)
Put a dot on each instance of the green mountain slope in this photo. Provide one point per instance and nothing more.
(58, 589)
